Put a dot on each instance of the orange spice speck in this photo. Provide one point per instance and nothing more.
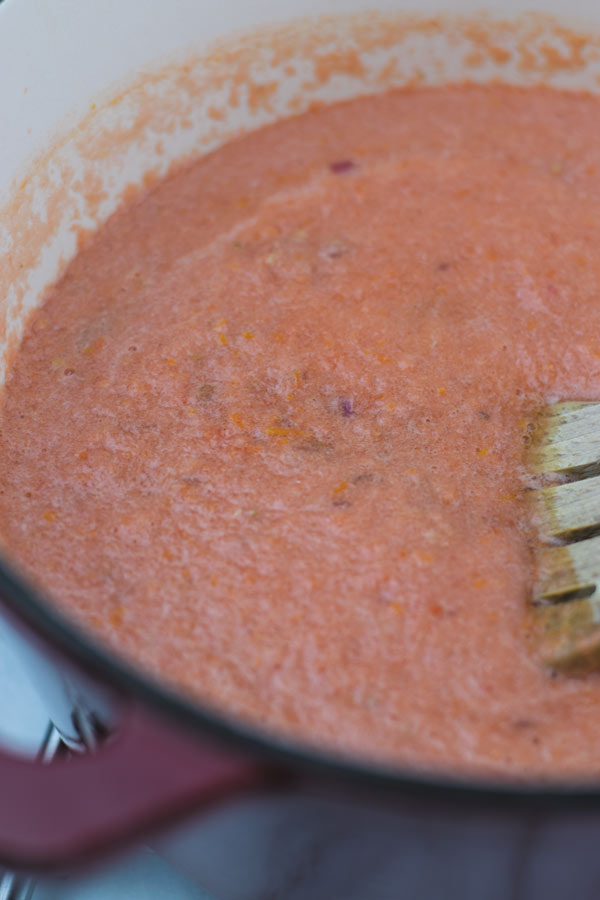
(275, 431)
(115, 616)
(424, 557)
(93, 348)
(341, 487)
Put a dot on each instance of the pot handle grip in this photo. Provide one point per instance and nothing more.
(145, 775)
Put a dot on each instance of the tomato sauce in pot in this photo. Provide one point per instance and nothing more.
(265, 435)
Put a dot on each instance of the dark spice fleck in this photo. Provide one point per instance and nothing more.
(132, 349)
(340, 503)
(444, 266)
(206, 392)
(527, 436)
(69, 371)
(346, 407)
(341, 166)
(313, 445)
(191, 480)
(484, 414)
(364, 478)
(332, 251)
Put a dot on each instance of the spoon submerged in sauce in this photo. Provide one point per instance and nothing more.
(564, 453)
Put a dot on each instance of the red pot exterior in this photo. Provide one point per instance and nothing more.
(145, 775)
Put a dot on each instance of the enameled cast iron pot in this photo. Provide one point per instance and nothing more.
(264, 818)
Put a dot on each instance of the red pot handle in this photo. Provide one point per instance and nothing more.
(146, 774)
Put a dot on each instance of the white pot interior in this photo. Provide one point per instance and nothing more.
(99, 97)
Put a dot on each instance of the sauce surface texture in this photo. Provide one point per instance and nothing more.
(266, 434)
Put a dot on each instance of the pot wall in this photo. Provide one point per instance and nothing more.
(62, 66)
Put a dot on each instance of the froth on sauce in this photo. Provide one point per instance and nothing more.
(265, 436)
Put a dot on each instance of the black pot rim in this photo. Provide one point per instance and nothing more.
(61, 636)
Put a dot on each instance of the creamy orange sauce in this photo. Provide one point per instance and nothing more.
(265, 436)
